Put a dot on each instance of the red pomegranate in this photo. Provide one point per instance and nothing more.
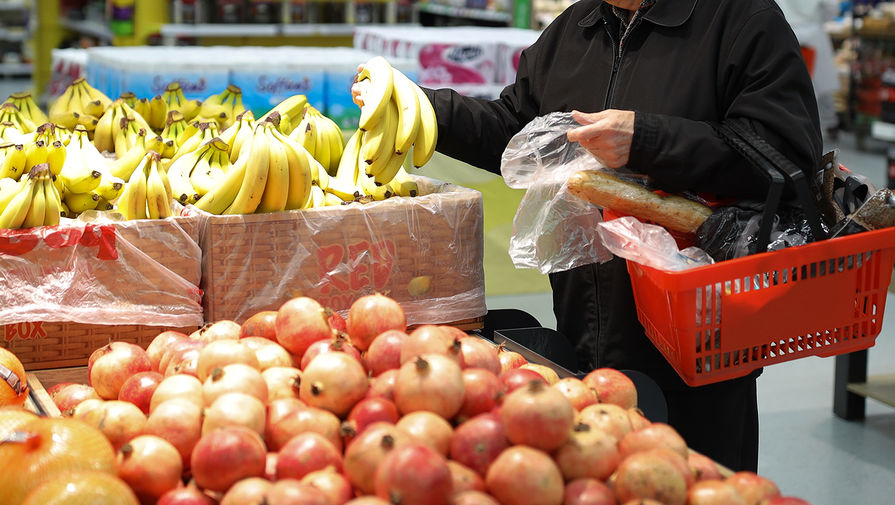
(150, 465)
(537, 416)
(428, 429)
(651, 474)
(637, 419)
(261, 324)
(587, 454)
(414, 475)
(282, 382)
(517, 377)
(509, 359)
(334, 381)
(478, 442)
(224, 352)
(179, 421)
(524, 475)
(339, 343)
(366, 452)
(306, 453)
(384, 352)
(714, 492)
(703, 467)
(465, 478)
(607, 417)
(482, 392)
(332, 483)
(174, 353)
(160, 343)
(430, 339)
(612, 387)
(70, 395)
(248, 491)
(225, 456)
(654, 435)
(577, 392)
(300, 420)
(371, 315)
(138, 389)
(753, 487)
(300, 322)
(268, 353)
(431, 382)
(477, 353)
(384, 385)
(112, 364)
(186, 495)
(472, 497)
(181, 386)
(588, 492)
(293, 492)
(367, 412)
(234, 378)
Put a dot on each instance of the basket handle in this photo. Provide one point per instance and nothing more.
(779, 170)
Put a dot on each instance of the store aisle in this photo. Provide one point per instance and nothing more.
(804, 447)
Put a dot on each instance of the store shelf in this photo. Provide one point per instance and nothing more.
(459, 12)
(15, 35)
(323, 29)
(219, 30)
(15, 68)
(95, 29)
(878, 387)
(13, 5)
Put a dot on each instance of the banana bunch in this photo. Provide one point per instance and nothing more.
(33, 201)
(236, 135)
(28, 108)
(196, 173)
(172, 100)
(271, 174)
(140, 105)
(322, 137)
(117, 128)
(395, 115)
(84, 167)
(125, 164)
(289, 109)
(223, 107)
(45, 146)
(147, 194)
(177, 129)
(81, 104)
(12, 161)
(10, 132)
(205, 132)
(10, 113)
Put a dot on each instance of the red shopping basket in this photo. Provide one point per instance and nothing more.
(722, 321)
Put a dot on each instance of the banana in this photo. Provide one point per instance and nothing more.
(221, 197)
(8, 190)
(408, 106)
(53, 204)
(81, 180)
(404, 184)
(333, 133)
(211, 161)
(13, 164)
(103, 134)
(252, 188)
(300, 172)
(379, 141)
(35, 154)
(318, 198)
(285, 125)
(175, 127)
(103, 205)
(179, 179)
(56, 154)
(343, 189)
(206, 132)
(38, 208)
(13, 215)
(132, 203)
(377, 94)
(277, 186)
(10, 113)
(235, 136)
(332, 200)
(347, 170)
(80, 202)
(395, 162)
(294, 106)
(223, 107)
(158, 112)
(143, 108)
(80, 104)
(306, 134)
(427, 136)
(94, 94)
(24, 101)
(110, 187)
(158, 202)
(372, 188)
(9, 132)
(124, 166)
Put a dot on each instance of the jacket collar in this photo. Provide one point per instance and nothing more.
(668, 13)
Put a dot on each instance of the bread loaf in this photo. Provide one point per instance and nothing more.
(609, 192)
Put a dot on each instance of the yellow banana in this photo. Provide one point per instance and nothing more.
(158, 204)
(13, 215)
(80, 202)
(237, 134)
(35, 154)
(300, 172)
(134, 195)
(95, 94)
(427, 136)
(53, 204)
(104, 134)
(294, 106)
(37, 210)
(404, 184)
(372, 188)
(13, 164)
(211, 161)
(24, 101)
(158, 112)
(276, 188)
(395, 162)
(8, 190)
(9, 132)
(386, 146)
(102, 204)
(56, 157)
(377, 94)
(257, 167)
(206, 132)
(348, 167)
(64, 211)
(318, 198)
(408, 106)
(63, 105)
(124, 166)
(329, 129)
(110, 187)
(332, 200)
(179, 179)
(143, 108)
(221, 196)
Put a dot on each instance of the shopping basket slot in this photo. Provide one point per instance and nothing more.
(722, 321)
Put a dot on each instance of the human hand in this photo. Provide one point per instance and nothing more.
(606, 134)
(357, 88)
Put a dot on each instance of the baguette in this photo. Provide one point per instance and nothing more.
(609, 192)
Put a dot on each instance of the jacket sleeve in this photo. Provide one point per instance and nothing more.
(761, 77)
(475, 130)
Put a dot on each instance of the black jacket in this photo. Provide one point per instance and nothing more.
(687, 65)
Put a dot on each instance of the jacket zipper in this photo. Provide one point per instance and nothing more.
(617, 52)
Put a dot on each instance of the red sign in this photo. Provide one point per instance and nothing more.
(25, 331)
(345, 272)
(19, 242)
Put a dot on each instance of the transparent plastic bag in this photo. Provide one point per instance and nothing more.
(553, 230)
(649, 244)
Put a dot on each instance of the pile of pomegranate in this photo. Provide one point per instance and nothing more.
(302, 406)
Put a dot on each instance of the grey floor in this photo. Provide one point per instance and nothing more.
(804, 447)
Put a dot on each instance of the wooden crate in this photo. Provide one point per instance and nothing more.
(337, 254)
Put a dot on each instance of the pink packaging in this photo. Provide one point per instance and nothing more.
(445, 64)
(508, 62)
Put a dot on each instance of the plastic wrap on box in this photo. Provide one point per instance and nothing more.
(102, 272)
(425, 252)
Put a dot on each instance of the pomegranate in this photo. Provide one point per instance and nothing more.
(703, 467)
(300, 322)
(472, 497)
(302, 420)
(509, 359)
(235, 378)
(638, 420)
(333, 381)
(753, 487)
(384, 352)
(785, 500)
(293, 492)
(80, 488)
(185, 387)
(261, 324)
(235, 409)
(90, 411)
(248, 491)
(69, 396)
(371, 315)
(517, 377)
(368, 500)
(150, 465)
(430, 382)
(414, 475)
(430, 339)
(654, 435)
(332, 483)
(112, 364)
(269, 353)
(577, 392)
(523, 475)
(160, 343)
(477, 442)
(186, 495)
(138, 389)
(477, 353)
(650, 474)
(587, 454)
(120, 421)
(384, 385)
(588, 492)
(282, 382)
(482, 392)
(428, 429)
(546, 372)
(464, 478)
(713, 492)
(186, 362)
(179, 421)
(612, 387)
(279, 408)
(337, 322)
(366, 452)
(223, 457)
(367, 412)
(607, 417)
(224, 352)
(306, 453)
(218, 330)
(177, 352)
(537, 416)
(339, 343)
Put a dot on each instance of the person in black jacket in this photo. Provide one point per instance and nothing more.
(650, 79)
